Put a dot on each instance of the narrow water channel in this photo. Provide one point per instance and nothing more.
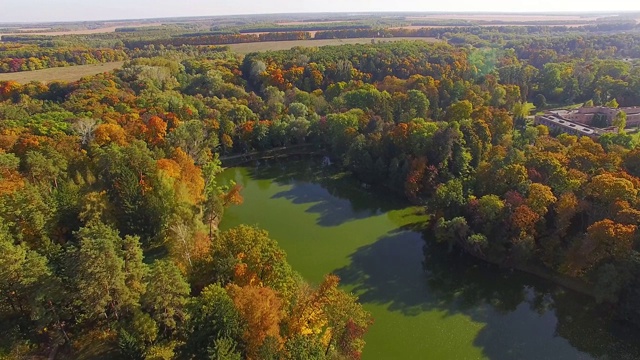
(427, 303)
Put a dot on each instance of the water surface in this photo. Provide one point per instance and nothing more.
(427, 303)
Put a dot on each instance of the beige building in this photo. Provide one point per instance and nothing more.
(585, 115)
(560, 123)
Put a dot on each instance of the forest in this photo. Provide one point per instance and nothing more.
(110, 200)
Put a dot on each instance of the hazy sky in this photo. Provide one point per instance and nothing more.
(71, 10)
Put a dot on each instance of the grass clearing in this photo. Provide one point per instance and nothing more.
(67, 73)
(246, 48)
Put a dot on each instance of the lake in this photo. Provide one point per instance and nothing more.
(427, 302)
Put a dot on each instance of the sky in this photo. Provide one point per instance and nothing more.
(78, 10)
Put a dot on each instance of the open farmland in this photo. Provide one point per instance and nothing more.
(510, 24)
(310, 22)
(246, 48)
(505, 17)
(101, 30)
(68, 73)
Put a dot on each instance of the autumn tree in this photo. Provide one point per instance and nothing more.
(10, 178)
(156, 130)
(247, 256)
(632, 162)
(261, 312)
(348, 321)
(109, 133)
(607, 188)
(540, 198)
(604, 240)
(566, 209)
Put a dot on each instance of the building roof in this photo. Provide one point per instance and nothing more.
(568, 124)
(631, 110)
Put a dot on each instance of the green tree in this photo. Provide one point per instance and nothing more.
(342, 129)
(101, 279)
(212, 317)
(134, 267)
(449, 197)
(224, 349)
(522, 110)
(29, 213)
(540, 101)
(304, 347)
(298, 110)
(46, 168)
(612, 104)
(459, 110)
(620, 121)
(166, 296)
(22, 275)
(194, 139)
(144, 200)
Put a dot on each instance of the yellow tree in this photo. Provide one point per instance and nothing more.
(608, 188)
(605, 239)
(348, 322)
(260, 308)
(110, 133)
(566, 208)
(540, 198)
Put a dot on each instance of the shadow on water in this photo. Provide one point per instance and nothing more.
(335, 197)
(523, 317)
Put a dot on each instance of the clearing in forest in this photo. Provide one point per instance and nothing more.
(67, 73)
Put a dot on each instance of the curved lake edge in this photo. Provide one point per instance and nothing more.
(424, 297)
(280, 153)
(303, 150)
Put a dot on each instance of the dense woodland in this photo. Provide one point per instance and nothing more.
(110, 203)
(25, 52)
(21, 57)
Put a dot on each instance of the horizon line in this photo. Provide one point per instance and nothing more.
(441, 12)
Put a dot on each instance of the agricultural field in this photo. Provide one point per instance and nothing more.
(286, 45)
(67, 73)
(311, 22)
(101, 30)
(506, 17)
